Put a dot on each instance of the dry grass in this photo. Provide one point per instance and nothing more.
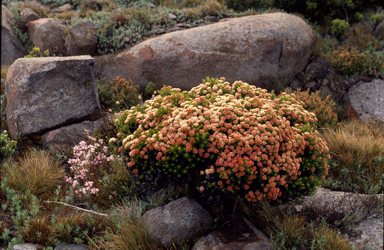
(37, 171)
(356, 142)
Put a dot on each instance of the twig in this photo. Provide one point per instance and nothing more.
(78, 208)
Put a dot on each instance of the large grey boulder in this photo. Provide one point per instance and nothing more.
(11, 47)
(238, 233)
(259, 49)
(72, 134)
(81, 39)
(47, 33)
(180, 221)
(366, 100)
(49, 92)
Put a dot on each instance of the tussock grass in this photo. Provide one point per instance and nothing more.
(356, 145)
(37, 171)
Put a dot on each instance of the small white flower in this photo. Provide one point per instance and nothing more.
(110, 110)
(117, 102)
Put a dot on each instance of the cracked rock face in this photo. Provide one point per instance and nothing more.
(257, 49)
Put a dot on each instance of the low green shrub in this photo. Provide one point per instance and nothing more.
(35, 52)
(348, 60)
(118, 94)
(339, 26)
(149, 90)
(238, 139)
(7, 146)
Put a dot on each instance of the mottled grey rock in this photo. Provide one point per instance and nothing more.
(179, 221)
(259, 49)
(25, 246)
(238, 233)
(46, 33)
(29, 15)
(11, 46)
(49, 92)
(72, 134)
(81, 39)
(367, 99)
(65, 246)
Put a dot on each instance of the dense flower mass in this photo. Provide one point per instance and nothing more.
(240, 138)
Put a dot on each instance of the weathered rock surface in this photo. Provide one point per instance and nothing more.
(29, 15)
(178, 221)
(257, 49)
(46, 33)
(49, 92)
(371, 227)
(367, 100)
(81, 39)
(11, 47)
(72, 134)
(238, 233)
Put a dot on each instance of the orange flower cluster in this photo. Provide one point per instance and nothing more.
(256, 142)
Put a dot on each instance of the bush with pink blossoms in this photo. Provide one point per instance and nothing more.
(95, 176)
(238, 139)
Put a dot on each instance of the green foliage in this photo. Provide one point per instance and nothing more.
(7, 146)
(348, 60)
(35, 52)
(149, 90)
(221, 137)
(339, 26)
(118, 94)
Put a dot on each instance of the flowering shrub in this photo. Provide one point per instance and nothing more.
(348, 61)
(94, 174)
(7, 146)
(322, 106)
(118, 94)
(240, 139)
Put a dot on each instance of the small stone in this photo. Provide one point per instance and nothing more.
(151, 6)
(172, 16)
(159, 31)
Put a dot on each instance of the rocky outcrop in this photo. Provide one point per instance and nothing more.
(47, 33)
(72, 134)
(46, 93)
(180, 221)
(260, 49)
(366, 100)
(81, 39)
(238, 233)
(11, 47)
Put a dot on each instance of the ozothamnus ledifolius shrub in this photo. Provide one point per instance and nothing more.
(237, 139)
(7, 146)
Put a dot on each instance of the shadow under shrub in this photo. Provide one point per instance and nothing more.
(237, 140)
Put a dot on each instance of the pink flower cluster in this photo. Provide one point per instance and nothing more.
(84, 164)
